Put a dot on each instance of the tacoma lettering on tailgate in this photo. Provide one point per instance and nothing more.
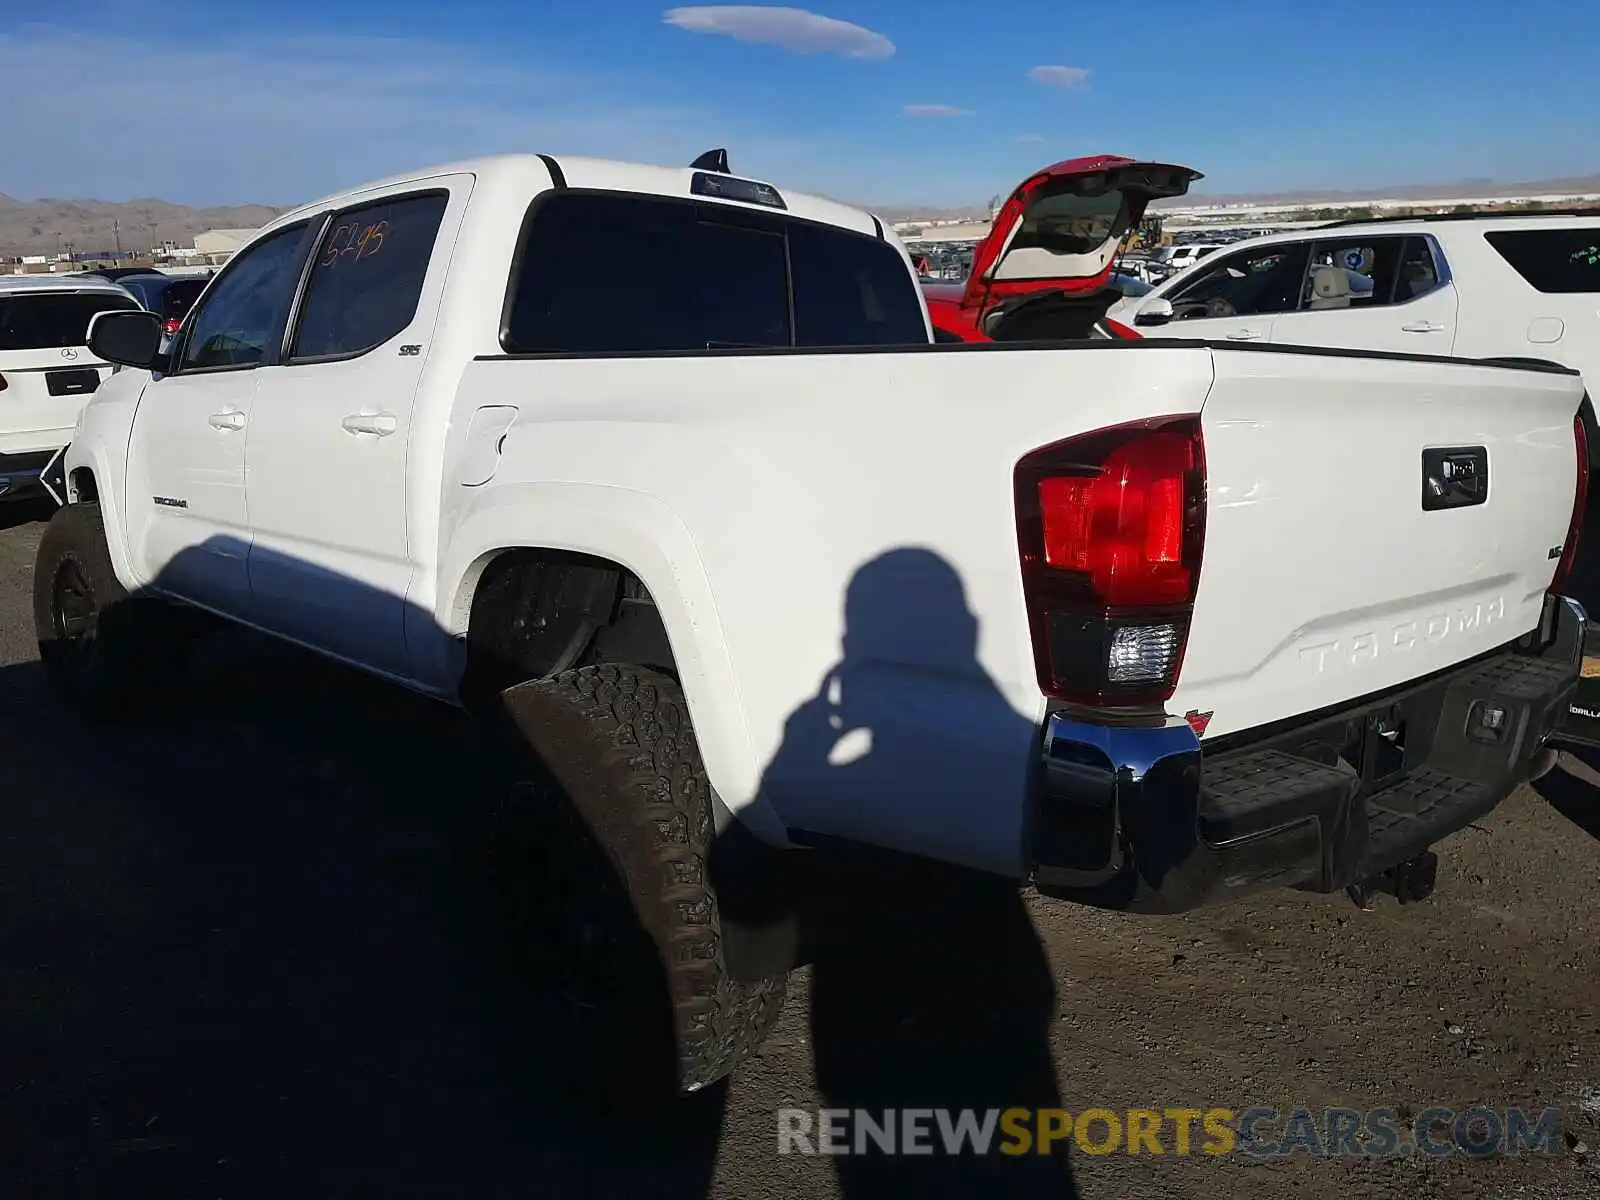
(1361, 648)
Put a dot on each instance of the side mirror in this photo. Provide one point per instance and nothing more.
(127, 337)
(1156, 311)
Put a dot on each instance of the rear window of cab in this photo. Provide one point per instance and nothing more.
(612, 272)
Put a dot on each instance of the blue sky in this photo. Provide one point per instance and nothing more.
(878, 101)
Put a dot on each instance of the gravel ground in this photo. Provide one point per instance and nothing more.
(233, 963)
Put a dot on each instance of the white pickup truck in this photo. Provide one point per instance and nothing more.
(665, 465)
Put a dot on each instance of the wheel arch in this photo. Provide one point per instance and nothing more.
(647, 546)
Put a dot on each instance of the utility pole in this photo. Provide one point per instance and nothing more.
(116, 232)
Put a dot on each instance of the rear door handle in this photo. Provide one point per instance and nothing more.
(1244, 335)
(377, 424)
(1423, 327)
(228, 418)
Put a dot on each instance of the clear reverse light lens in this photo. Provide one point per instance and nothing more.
(1141, 653)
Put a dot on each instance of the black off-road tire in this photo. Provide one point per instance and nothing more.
(615, 838)
(106, 652)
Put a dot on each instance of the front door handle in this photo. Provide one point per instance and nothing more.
(1423, 327)
(1244, 335)
(228, 418)
(377, 424)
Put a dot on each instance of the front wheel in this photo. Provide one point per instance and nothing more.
(104, 650)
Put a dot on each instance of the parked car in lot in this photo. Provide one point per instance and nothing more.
(1044, 270)
(169, 296)
(760, 574)
(47, 371)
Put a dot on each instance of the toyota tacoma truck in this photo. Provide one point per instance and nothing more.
(662, 471)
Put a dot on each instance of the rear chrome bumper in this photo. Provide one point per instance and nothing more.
(1146, 818)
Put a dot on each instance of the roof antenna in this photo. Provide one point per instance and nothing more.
(712, 160)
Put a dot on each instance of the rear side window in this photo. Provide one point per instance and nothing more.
(1563, 261)
(367, 276)
(47, 322)
(615, 273)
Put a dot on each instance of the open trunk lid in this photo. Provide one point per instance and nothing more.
(1331, 567)
(1062, 225)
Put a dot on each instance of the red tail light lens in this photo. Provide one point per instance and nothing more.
(1118, 330)
(1110, 528)
(171, 325)
(1580, 501)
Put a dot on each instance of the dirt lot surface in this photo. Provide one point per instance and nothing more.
(233, 962)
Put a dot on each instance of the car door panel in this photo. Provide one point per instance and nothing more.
(1403, 303)
(1239, 298)
(187, 520)
(330, 563)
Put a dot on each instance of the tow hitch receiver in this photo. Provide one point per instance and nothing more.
(1408, 882)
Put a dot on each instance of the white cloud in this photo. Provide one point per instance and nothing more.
(1075, 78)
(935, 110)
(290, 118)
(792, 29)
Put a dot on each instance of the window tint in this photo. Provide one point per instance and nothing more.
(1552, 260)
(851, 290)
(1267, 280)
(627, 273)
(179, 297)
(1355, 272)
(44, 322)
(620, 273)
(242, 320)
(1419, 272)
(368, 276)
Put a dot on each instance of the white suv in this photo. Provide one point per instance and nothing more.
(47, 373)
(1461, 285)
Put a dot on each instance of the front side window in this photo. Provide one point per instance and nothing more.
(241, 322)
(367, 277)
(1560, 261)
(44, 321)
(1247, 283)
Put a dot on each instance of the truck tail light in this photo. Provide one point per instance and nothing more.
(1580, 501)
(1110, 527)
(1119, 331)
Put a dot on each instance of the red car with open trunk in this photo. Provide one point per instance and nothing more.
(1044, 270)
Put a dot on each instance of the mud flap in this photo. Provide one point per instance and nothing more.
(54, 477)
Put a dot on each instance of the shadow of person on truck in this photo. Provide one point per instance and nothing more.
(931, 989)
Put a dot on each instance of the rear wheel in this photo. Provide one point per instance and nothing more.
(597, 852)
(103, 650)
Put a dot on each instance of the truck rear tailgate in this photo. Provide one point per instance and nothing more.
(1370, 520)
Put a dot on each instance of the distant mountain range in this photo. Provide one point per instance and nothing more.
(46, 226)
(1486, 189)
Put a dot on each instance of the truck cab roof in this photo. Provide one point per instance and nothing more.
(532, 173)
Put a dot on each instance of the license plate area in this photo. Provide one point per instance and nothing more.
(72, 381)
